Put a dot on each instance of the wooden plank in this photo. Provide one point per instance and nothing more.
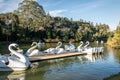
(53, 56)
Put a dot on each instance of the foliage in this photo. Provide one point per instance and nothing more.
(115, 40)
(30, 22)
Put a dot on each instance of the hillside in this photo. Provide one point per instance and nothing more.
(30, 22)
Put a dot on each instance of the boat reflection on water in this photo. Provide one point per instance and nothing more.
(91, 57)
(34, 66)
(36, 70)
(63, 62)
(12, 75)
(45, 70)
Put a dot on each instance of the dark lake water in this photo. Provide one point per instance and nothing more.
(83, 67)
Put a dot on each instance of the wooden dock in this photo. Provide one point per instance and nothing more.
(53, 56)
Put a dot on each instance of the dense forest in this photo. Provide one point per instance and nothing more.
(30, 23)
(114, 40)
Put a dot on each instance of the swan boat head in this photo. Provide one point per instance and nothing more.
(79, 48)
(87, 44)
(58, 49)
(34, 45)
(59, 44)
(81, 43)
(33, 51)
(70, 47)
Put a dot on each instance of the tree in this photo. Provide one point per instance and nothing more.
(115, 40)
(14, 27)
(78, 35)
(31, 13)
(0, 30)
(33, 24)
(101, 33)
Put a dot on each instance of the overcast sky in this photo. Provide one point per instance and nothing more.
(96, 11)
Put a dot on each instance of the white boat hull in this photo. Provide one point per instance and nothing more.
(13, 69)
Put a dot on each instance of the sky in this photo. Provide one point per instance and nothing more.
(96, 11)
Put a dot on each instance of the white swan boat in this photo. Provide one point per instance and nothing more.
(80, 48)
(33, 51)
(88, 50)
(56, 50)
(91, 50)
(70, 47)
(15, 62)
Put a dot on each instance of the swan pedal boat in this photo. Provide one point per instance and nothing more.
(15, 62)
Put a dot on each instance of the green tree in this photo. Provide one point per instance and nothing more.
(115, 40)
(78, 35)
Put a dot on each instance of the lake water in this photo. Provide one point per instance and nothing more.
(83, 67)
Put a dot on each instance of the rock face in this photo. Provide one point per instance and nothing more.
(30, 8)
(30, 14)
